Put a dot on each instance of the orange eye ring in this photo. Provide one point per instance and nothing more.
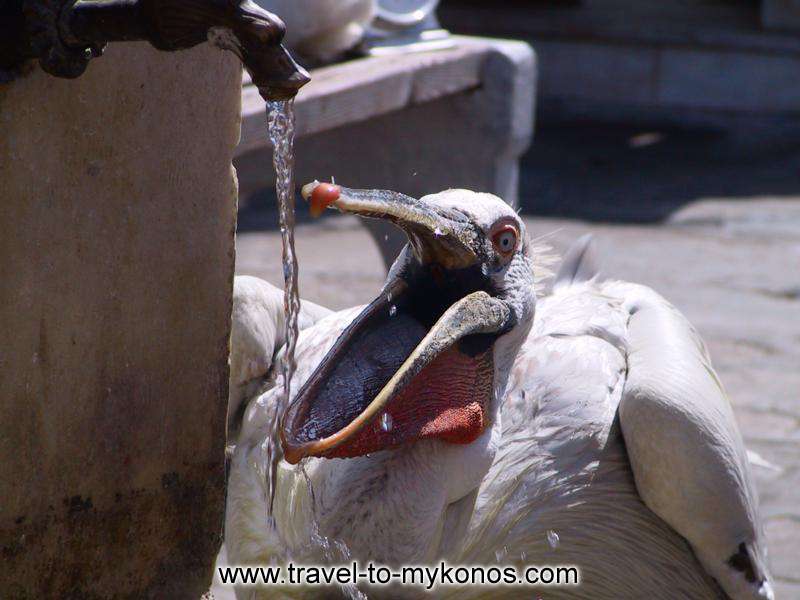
(505, 238)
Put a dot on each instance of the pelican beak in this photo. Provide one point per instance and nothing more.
(417, 362)
(446, 237)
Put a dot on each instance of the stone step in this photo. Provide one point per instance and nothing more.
(714, 60)
(362, 89)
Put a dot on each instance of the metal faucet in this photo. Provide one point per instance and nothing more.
(65, 35)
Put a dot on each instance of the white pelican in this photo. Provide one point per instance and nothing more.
(459, 417)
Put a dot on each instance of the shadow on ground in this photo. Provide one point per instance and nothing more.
(618, 172)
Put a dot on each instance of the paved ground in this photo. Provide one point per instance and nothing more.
(731, 264)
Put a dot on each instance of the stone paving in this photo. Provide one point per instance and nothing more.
(732, 267)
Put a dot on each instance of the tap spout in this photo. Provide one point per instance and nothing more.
(240, 26)
(64, 36)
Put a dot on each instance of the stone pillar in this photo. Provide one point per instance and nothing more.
(117, 224)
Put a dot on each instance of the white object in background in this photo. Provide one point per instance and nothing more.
(406, 26)
(405, 13)
(321, 30)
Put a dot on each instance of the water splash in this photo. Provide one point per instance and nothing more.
(280, 127)
(387, 422)
(500, 554)
(553, 539)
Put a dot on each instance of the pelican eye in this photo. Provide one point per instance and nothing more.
(504, 238)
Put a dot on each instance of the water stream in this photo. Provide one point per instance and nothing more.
(280, 126)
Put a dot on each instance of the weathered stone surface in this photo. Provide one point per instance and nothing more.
(117, 219)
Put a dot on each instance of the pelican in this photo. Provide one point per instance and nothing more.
(464, 415)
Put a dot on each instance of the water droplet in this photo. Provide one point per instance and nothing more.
(501, 554)
(522, 556)
(385, 237)
(392, 310)
(386, 422)
(552, 538)
(437, 232)
(389, 297)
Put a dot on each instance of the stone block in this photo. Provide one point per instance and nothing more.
(727, 80)
(117, 213)
(616, 73)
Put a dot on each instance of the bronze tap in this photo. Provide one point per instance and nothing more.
(64, 36)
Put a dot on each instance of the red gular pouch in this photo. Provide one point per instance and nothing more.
(334, 414)
(447, 400)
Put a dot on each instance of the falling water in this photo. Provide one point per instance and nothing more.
(386, 422)
(280, 125)
(553, 539)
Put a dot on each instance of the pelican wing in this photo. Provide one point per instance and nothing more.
(257, 333)
(687, 455)
(561, 489)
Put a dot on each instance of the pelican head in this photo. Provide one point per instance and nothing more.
(430, 356)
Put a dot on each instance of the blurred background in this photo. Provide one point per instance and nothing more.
(670, 130)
